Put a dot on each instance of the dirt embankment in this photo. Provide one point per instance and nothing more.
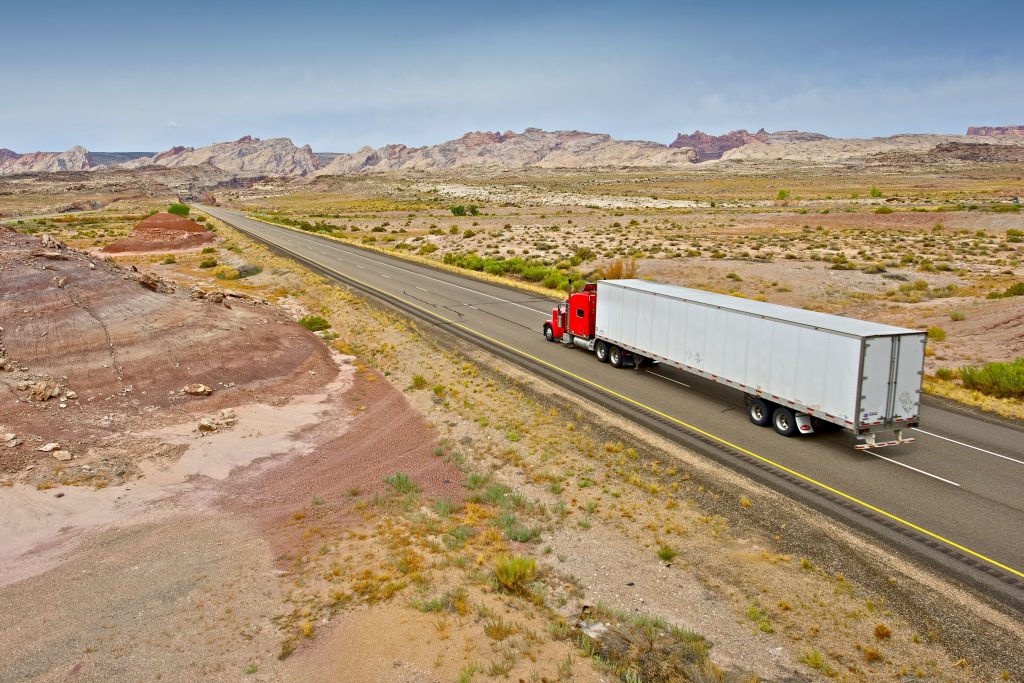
(162, 232)
(93, 350)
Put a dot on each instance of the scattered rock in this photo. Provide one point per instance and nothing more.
(51, 242)
(44, 390)
(52, 255)
(197, 390)
(71, 395)
(49, 448)
(207, 425)
(62, 455)
(157, 284)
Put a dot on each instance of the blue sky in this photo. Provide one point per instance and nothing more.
(146, 76)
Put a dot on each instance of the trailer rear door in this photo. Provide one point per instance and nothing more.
(891, 380)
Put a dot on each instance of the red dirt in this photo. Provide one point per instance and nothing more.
(162, 232)
(386, 435)
(92, 327)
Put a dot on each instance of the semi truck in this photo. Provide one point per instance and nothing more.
(800, 371)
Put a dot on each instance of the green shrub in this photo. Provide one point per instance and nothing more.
(945, 374)
(208, 262)
(782, 195)
(514, 572)
(458, 210)
(179, 209)
(936, 333)
(665, 553)
(401, 482)
(1016, 289)
(314, 323)
(957, 315)
(875, 192)
(167, 260)
(883, 209)
(1002, 380)
(208, 250)
(427, 249)
(419, 382)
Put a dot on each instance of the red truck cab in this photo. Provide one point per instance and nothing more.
(576, 316)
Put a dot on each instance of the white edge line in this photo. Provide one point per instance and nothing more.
(927, 474)
(967, 445)
(652, 372)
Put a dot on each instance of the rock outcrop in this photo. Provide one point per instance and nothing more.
(247, 156)
(840, 150)
(533, 148)
(996, 131)
(75, 159)
(7, 155)
(714, 146)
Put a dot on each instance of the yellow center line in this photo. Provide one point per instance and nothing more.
(698, 430)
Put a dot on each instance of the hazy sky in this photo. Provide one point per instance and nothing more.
(143, 76)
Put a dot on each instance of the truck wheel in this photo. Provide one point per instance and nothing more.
(615, 356)
(601, 350)
(760, 412)
(784, 421)
(549, 333)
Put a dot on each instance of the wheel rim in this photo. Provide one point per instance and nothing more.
(602, 351)
(615, 355)
(782, 422)
(757, 411)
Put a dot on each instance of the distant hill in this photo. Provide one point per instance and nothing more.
(75, 159)
(533, 148)
(247, 156)
(996, 131)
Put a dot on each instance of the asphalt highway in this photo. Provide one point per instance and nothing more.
(955, 496)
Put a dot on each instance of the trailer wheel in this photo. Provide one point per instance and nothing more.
(615, 356)
(760, 412)
(549, 333)
(784, 421)
(601, 351)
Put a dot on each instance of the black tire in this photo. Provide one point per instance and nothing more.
(784, 421)
(615, 357)
(601, 351)
(760, 412)
(549, 333)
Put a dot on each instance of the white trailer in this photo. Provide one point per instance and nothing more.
(793, 365)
